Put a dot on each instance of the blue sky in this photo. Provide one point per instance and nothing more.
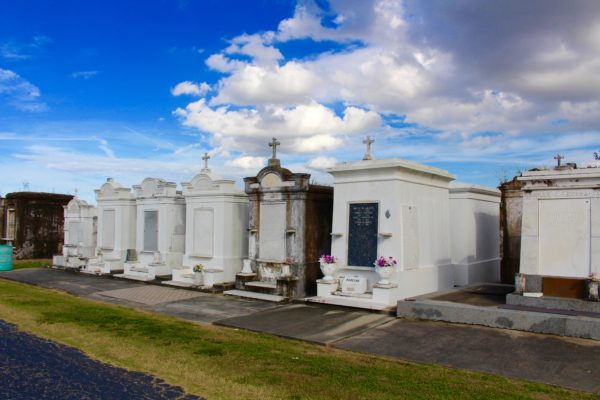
(130, 89)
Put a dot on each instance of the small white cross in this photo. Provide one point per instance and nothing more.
(274, 143)
(368, 141)
(205, 159)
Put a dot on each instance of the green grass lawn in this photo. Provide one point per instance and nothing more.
(21, 264)
(223, 363)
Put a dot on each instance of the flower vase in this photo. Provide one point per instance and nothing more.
(593, 290)
(384, 275)
(328, 269)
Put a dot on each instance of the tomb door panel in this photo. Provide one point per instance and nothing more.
(203, 232)
(74, 233)
(108, 229)
(564, 237)
(362, 234)
(271, 236)
(151, 230)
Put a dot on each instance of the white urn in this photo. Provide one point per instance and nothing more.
(384, 274)
(328, 269)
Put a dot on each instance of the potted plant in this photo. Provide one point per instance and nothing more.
(198, 268)
(328, 265)
(385, 268)
(593, 283)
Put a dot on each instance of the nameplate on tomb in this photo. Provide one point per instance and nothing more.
(362, 234)
(354, 285)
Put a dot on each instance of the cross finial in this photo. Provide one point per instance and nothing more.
(274, 143)
(76, 192)
(205, 158)
(368, 141)
(558, 157)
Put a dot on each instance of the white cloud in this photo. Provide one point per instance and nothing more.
(220, 63)
(450, 81)
(247, 162)
(254, 46)
(321, 163)
(190, 88)
(253, 84)
(19, 93)
(301, 121)
(317, 143)
(84, 74)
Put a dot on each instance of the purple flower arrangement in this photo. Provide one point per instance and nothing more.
(327, 259)
(385, 262)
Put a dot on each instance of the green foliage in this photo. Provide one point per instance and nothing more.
(22, 264)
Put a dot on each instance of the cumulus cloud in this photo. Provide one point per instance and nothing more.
(321, 163)
(471, 77)
(247, 162)
(190, 88)
(303, 120)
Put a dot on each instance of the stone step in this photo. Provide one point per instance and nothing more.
(495, 317)
(178, 284)
(255, 295)
(143, 278)
(224, 286)
(261, 287)
(347, 301)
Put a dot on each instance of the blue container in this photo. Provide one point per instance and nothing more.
(6, 257)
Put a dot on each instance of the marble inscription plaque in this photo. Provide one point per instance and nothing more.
(354, 285)
(108, 229)
(362, 234)
(151, 230)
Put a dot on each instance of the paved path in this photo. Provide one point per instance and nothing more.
(568, 362)
(311, 322)
(549, 359)
(35, 368)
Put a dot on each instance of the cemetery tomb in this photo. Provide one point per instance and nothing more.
(160, 230)
(475, 233)
(80, 230)
(560, 238)
(216, 234)
(116, 228)
(289, 228)
(391, 208)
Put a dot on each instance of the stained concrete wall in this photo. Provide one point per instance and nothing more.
(39, 223)
(511, 211)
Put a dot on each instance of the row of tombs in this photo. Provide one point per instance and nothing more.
(268, 238)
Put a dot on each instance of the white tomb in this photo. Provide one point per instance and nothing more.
(390, 207)
(474, 233)
(116, 228)
(160, 230)
(80, 234)
(560, 231)
(216, 230)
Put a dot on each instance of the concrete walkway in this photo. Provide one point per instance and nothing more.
(549, 359)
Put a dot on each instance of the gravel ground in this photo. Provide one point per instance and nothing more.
(36, 368)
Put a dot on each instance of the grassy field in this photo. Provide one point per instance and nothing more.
(222, 363)
(21, 264)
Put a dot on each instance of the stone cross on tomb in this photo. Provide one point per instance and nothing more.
(368, 141)
(274, 143)
(558, 157)
(205, 158)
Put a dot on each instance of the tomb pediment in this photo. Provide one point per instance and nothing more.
(203, 182)
(112, 190)
(154, 187)
(271, 180)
